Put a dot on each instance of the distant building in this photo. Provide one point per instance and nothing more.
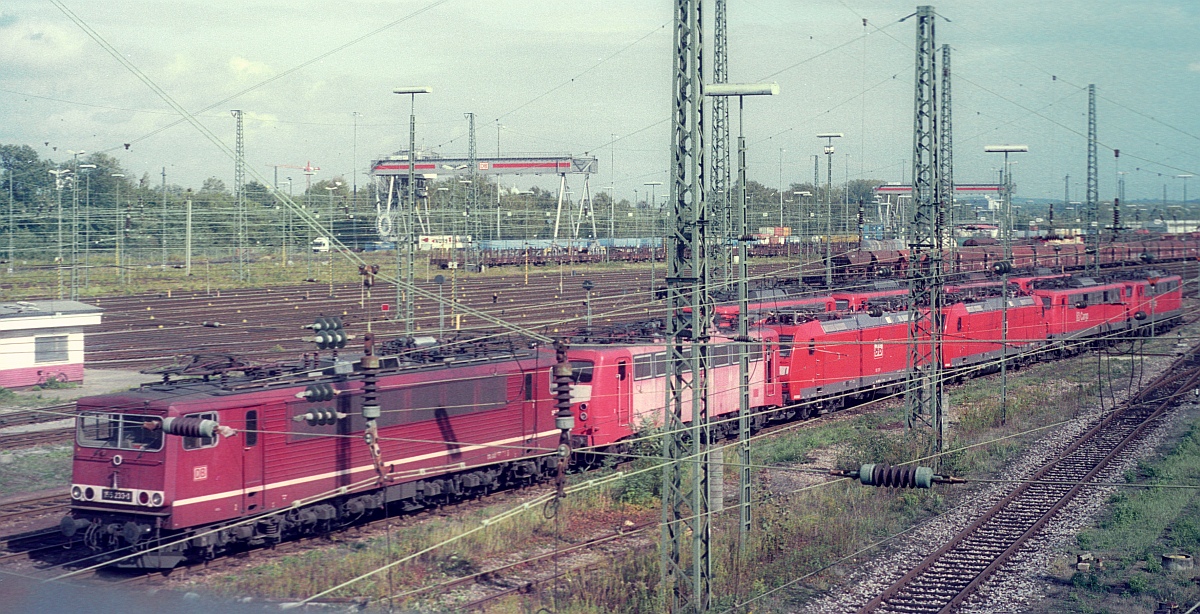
(43, 339)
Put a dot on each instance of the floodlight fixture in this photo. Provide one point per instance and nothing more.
(742, 89)
(1005, 148)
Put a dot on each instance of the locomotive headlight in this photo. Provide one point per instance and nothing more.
(156, 499)
(89, 493)
(144, 498)
(76, 492)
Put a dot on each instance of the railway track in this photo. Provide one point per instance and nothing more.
(33, 506)
(36, 416)
(35, 438)
(946, 578)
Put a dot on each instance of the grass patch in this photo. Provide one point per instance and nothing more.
(35, 468)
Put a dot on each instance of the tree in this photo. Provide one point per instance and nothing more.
(213, 185)
(29, 174)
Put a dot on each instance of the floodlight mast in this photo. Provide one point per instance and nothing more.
(407, 255)
(743, 338)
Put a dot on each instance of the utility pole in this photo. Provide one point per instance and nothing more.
(923, 387)
(1093, 184)
(688, 588)
(239, 194)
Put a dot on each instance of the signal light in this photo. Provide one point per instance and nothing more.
(1002, 267)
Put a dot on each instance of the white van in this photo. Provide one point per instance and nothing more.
(320, 245)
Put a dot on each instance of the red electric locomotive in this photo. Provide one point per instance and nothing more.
(1080, 307)
(828, 360)
(621, 388)
(193, 468)
(1155, 299)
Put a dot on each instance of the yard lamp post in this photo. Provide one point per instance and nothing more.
(654, 238)
(829, 136)
(58, 185)
(119, 228)
(1006, 234)
(329, 242)
(87, 218)
(408, 254)
(743, 338)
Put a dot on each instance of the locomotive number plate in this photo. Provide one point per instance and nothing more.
(123, 496)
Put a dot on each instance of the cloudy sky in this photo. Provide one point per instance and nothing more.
(568, 76)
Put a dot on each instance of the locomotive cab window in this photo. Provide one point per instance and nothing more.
(117, 432)
(581, 371)
(195, 443)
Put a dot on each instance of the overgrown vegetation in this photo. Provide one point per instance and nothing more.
(1138, 528)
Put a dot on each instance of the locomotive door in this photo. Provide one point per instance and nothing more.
(624, 398)
(252, 463)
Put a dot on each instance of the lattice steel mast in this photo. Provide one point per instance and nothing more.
(723, 227)
(473, 160)
(946, 157)
(687, 588)
(239, 191)
(1093, 184)
(924, 382)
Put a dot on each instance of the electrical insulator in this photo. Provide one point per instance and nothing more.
(330, 334)
(317, 393)
(887, 476)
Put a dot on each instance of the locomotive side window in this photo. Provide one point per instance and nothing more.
(643, 366)
(117, 431)
(841, 304)
(528, 386)
(196, 443)
(251, 428)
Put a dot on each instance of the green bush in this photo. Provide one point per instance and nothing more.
(1139, 584)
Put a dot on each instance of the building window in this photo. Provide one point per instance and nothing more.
(50, 349)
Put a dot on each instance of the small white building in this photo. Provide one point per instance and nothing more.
(40, 340)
